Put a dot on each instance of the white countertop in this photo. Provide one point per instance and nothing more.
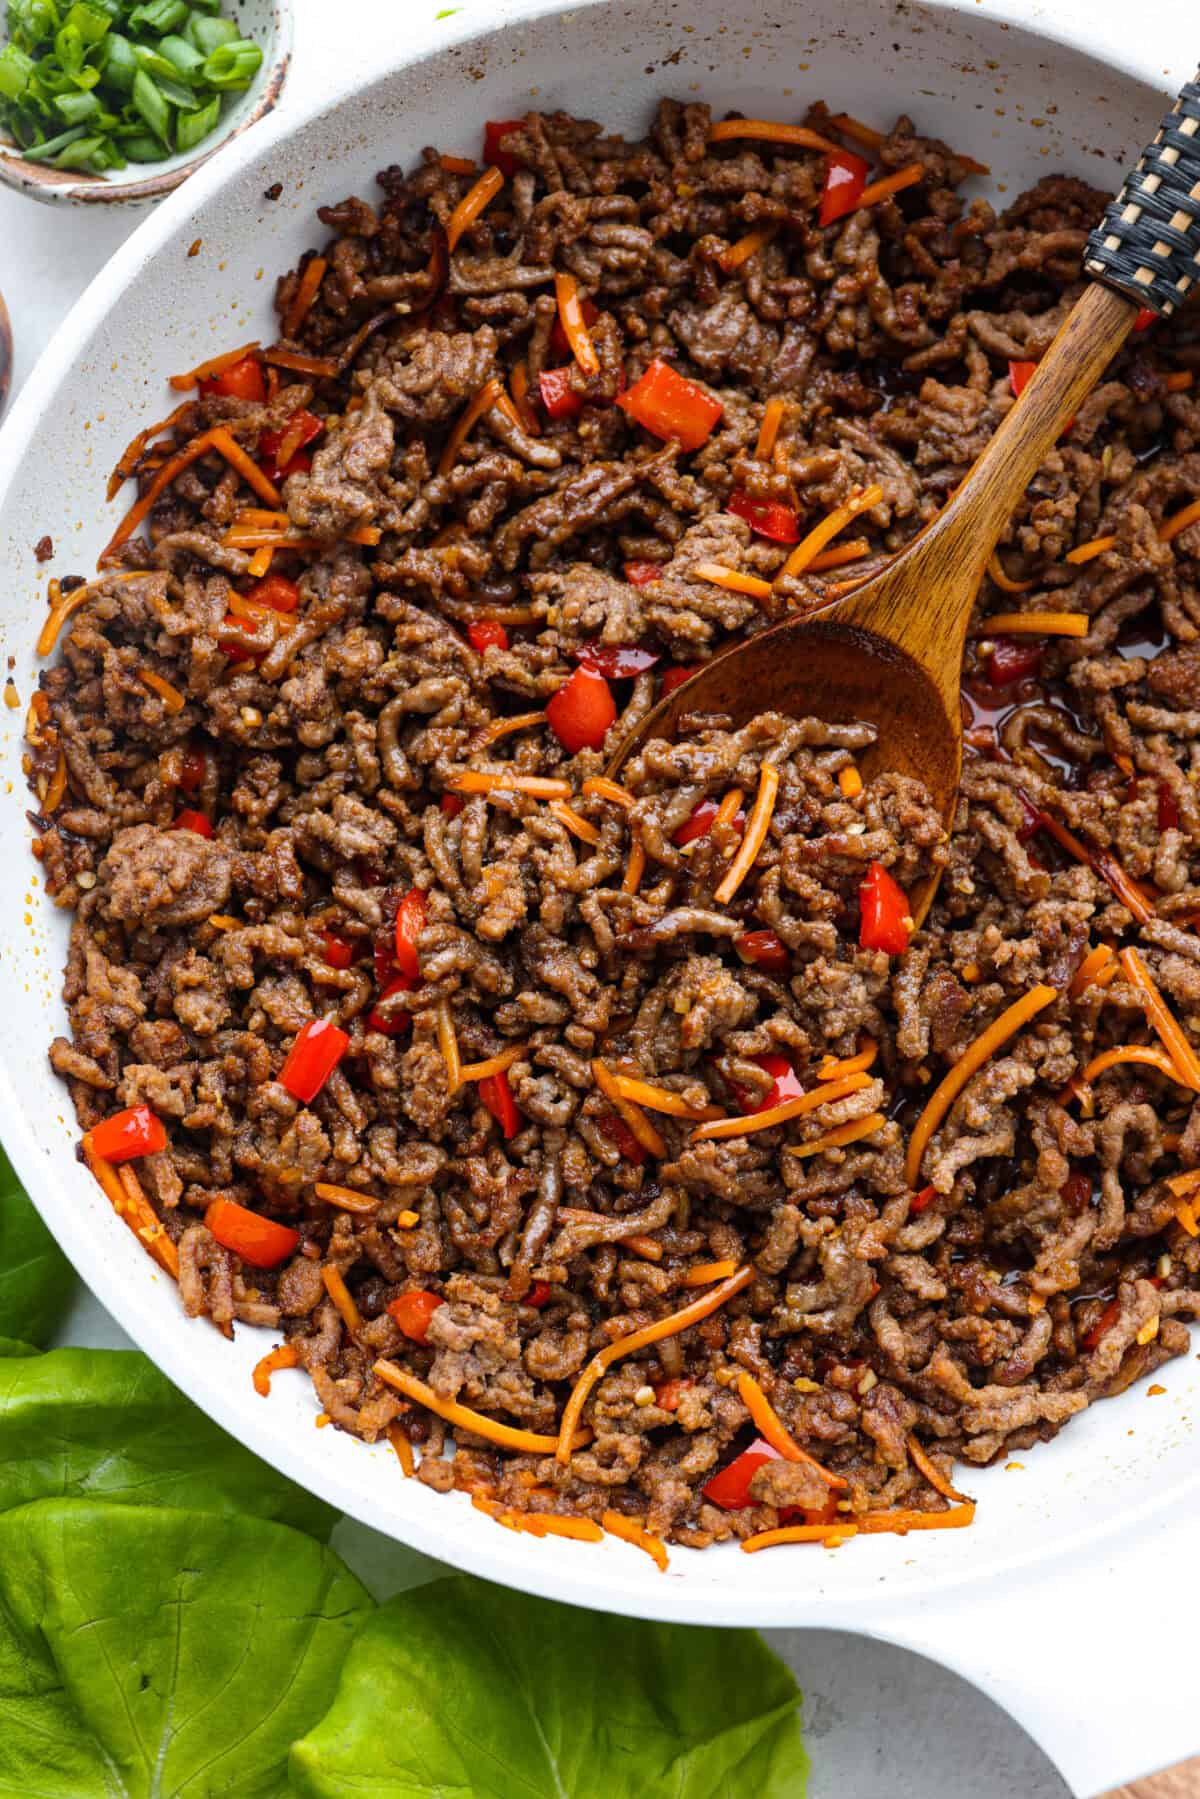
(880, 1723)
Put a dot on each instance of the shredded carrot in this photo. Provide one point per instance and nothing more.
(216, 365)
(456, 165)
(969, 1063)
(933, 1473)
(850, 782)
(480, 1071)
(769, 131)
(306, 292)
(448, 1044)
(478, 780)
(1182, 1185)
(892, 184)
(131, 1205)
(260, 563)
(832, 1069)
(284, 1355)
(1187, 1218)
(855, 130)
(630, 1531)
(473, 203)
(854, 551)
(768, 431)
(570, 316)
(693, 1313)
(823, 1095)
(701, 1273)
(1179, 381)
(38, 713)
(732, 581)
(322, 368)
(518, 383)
(67, 603)
(635, 869)
(403, 1449)
(583, 828)
(215, 439)
(599, 787)
(956, 1517)
(1111, 1058)
(131, 455)
(1105, 865)
(524, 1442)
(342, 1298)
(1171, 527)
(57, 787)
(490, 394)
(553, 1524)
(264, 516)
(811, 546)
(172, 699)
(640, 1244)
(832, 1535)
(1093, 963)
(839, 1136)
(349, 1199)
(1005, 583)
(770, 1426)
(1162, 1019)
(1096, 546)
(660, 1099)
(757, 826)
(736, 254)
(1036, 624)
(504, 727)
(634, 1117)
(727, 811)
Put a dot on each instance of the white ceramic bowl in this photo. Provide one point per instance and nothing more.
(1068, 1551)
(269, 23)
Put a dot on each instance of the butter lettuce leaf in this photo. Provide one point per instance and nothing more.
(35, 1276)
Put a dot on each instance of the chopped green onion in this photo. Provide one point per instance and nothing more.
(44, 152)
(193, 126)
(159, 16)
(78, 109)
(120, 65)
(209, 34)
(148, 58)
(183, 57)
(81, 155)
(89, 21)
(15, 70)
(151, 105)
(142, 148)
(186, 98)
(233, 65)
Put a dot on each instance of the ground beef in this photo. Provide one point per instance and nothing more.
(240, 788)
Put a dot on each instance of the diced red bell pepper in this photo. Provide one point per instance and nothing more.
(1103, 1325)
(277, 592)
(134, 1132)
(730, 1487)
(301, 429)
(1145, 318)
(300, 464)
(582, 710)
(410, 922)
(1168, 809)
(187, 820)
(768, 517)
(233, 628)
(1076, 1193)
(785, 1084)
(452, 804)
(398, 1022)
(1032, 817)
(259, 1241)
(194, 772)
(1012, 661)
(766, 949)
(493, 155)
(675, 677)
(619, 1133)
(242, 381)
(497, 1096)
(641, 573)
(537, 1295)
(922, 1201)
(845, 179)
(316, 1052)
(701, 823)
(670, 406)
(559, 341)
(1019, 376)
(412, 1312)
(487, 634)
(616, 661)
(883, 906)
(666, 1393)
(337, 952)
(558, 396)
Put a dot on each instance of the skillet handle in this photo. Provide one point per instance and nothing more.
(1094, 1656)
(1147, 245)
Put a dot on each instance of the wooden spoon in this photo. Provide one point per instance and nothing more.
(890, 654)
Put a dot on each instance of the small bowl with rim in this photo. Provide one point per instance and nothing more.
(269, 24)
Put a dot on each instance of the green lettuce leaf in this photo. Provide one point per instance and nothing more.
(35, 1276)
(105, 1424)
(147, 1652)
(12, 1346)
(467, 1691)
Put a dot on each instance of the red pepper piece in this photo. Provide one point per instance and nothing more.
(277, 592)
(452, 804)
(768, 517)
(666, 1393)
(1032, 817)
(243, 381)
(922, 1201)
(1168, 809)
(558, 396)
(1019, 376)
(301, 429)
(337, 952)
(559, 341)
(398, 1022)
(582, 710)
(845, 179)
(259, 1241)
(187, 820)
(766, 949)
(316, 1052)
(537, 1295)
(194, 772)
(497, 1096)
(232, 628)
(496, 158)
(730, 1487)
(1076, 1193)
(300, 464)
(616, 661)
(883, 907)
(487, 634)
(134, 1132)
(785, 1084)
(412, 1312)
(619, 1133)
(410, 922)
(701, 822)
(1145, 318)
(1012, 661)
(640, 573)
(1103, 1325)
(670, 406)
(675, 677)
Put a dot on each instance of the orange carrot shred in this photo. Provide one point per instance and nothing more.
(741, 251)
(456, 165)
(490, 394)
(832, 1535)
(1093, 963)
(660, 1099)
(580, 827)
(57, 787)
(640, 1244)
(769, 131)
(524, 1442)
(204, 371)
(301, 303)
(599, 787)
(839, 1136)
(633, 1115)
(130, 1204)
(403, 1449)
(1005, 582)
(131, 455)
(630, 1531)
(768, 431)
(481, 780)
(932, 1473)
(732, 580)
(504, 727)
(853, 551)
(518, 383)
(701, 1273)
(173, 701)
(635, 869)
(770, 1426)
(348, 1199)
(481, 1071)
(570, 313)
(810, 546)
(1179, 381)
(215, 439)
(1036, 624)
(855, 130)
(284, 1355)
(448, 1044)
(823, 1095)
(1162, 1019)
(1171, 527)
(473, 204)
(342, 1298)
(831, 1069)
(1096, 546)
(892, 184)
(757, 826)
(322, 368)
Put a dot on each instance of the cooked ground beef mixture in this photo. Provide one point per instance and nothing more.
(466, 1072)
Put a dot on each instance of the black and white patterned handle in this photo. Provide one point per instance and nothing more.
(1148, 243)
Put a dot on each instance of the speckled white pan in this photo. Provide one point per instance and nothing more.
(1048, 1601)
